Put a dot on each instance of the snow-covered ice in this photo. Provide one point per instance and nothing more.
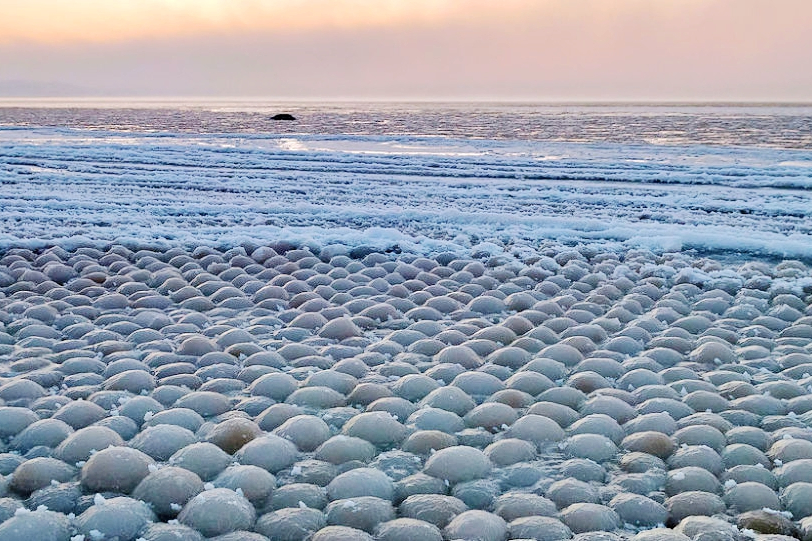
(76, 187)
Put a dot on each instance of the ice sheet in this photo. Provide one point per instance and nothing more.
(82, 186)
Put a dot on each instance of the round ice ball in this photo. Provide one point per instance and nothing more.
(539, 528)
(438, 509)
(361, 482)
(79, 445)
(162, 441)
(218, 511)
(513, 505)
(340, 449)
(638, 510)
(536, 429)
(341, 533)
(39, 525)
(797, 499)
(230, 435)
(255, 483)
(457, 464)
(117, 518)
(307, 432)
(376, 427)
(203, 458)
(269, 452)
(750, 496)
(364, 513)
(690, 503)
(660, 534)
(290, 524)
(298, 495)
(39, 472)
(168, 489)
(590, 517)
(170, 532)
(115, 469)
(408, 529)
(479, 525)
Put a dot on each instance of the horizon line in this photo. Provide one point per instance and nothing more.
(195, 99)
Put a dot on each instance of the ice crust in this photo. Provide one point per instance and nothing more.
(79, 187)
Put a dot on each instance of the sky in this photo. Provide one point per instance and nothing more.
(514, 50)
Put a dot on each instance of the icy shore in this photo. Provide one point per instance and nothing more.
(259, 338)
(274, 392)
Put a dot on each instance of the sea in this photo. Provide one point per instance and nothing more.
(478, 294)
(774, 125)
(727, 178)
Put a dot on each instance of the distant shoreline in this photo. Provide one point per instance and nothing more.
(201, 101)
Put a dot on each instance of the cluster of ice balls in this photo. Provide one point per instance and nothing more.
(281, 393)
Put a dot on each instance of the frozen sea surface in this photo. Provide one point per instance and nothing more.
(490, 322)
(735, 179)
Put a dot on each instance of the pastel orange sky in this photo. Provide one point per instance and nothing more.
(410, 49)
